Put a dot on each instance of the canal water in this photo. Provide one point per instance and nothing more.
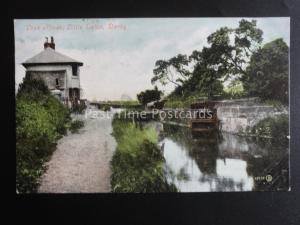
(221, 161)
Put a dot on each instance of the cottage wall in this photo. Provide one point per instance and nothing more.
(49, 73)
(50, 78)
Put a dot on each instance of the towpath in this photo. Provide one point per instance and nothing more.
(81, 162)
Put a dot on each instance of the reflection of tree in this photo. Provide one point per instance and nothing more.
(262, 156)
(183, 175)
(222, 183)
(278, 168)
(205, 156)
(203, 148)
(180, 135)
(275, 163)
(228, 184)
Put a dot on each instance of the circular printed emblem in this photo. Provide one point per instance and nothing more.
(269, 178)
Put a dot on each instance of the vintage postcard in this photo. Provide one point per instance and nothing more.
(145, 105)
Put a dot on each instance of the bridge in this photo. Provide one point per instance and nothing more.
(115, 104)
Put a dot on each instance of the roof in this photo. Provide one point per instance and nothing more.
(50, 56)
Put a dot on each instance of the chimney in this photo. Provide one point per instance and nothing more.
(46, 44)
(51, 44)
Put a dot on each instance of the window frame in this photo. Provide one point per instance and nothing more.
(75, 69)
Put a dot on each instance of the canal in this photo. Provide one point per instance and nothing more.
(221, 161)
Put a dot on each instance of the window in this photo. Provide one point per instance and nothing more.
(56, 82)
(75, 70)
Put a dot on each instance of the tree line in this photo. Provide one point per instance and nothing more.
(235, 56)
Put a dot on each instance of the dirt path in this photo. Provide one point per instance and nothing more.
(81, 162)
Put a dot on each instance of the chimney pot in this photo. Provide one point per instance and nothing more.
(49, 44)
(52, 44)
(46, 44)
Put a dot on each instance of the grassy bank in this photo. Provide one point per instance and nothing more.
(40, 121)
(138, 163)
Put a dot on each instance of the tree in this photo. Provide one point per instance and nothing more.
(171, 71)
(204, 80)
(230, 49)
(149, 95)
(226, 56)
(267, 74)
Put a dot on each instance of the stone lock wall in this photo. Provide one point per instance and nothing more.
(236, 115)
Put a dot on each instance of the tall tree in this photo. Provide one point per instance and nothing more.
(227, 56)
(205, 79)
(230, 49)
(171, 71)
(267, 74)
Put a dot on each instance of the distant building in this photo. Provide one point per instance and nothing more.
(60, 73)
(125, 97)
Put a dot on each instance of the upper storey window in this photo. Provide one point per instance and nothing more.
(75, 70)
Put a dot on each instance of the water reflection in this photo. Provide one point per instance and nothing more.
(222, 162)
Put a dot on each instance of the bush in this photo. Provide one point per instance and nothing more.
(40, 120)
(36, 134)
(33, 88)
(60, 115)
(76, 125)
(105, 108)
(78, 108)
(275, 127)
(147, 96)
(137, 165)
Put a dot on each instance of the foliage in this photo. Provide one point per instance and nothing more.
(275, 127)
(149, 95)
(133, 105)
(137, 164)
(40, 120)
(267, 74)
(235, 89)
(106, 108)
(59, 114)
(180, 102)
(228, 57)
(203, 72)
(76, 125)
(203, 82)
(78, 108)
(172, 70)
(232, 54)
(121, 102)
(224, 58)
(35, 88)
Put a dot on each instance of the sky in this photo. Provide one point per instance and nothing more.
(119, 55)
